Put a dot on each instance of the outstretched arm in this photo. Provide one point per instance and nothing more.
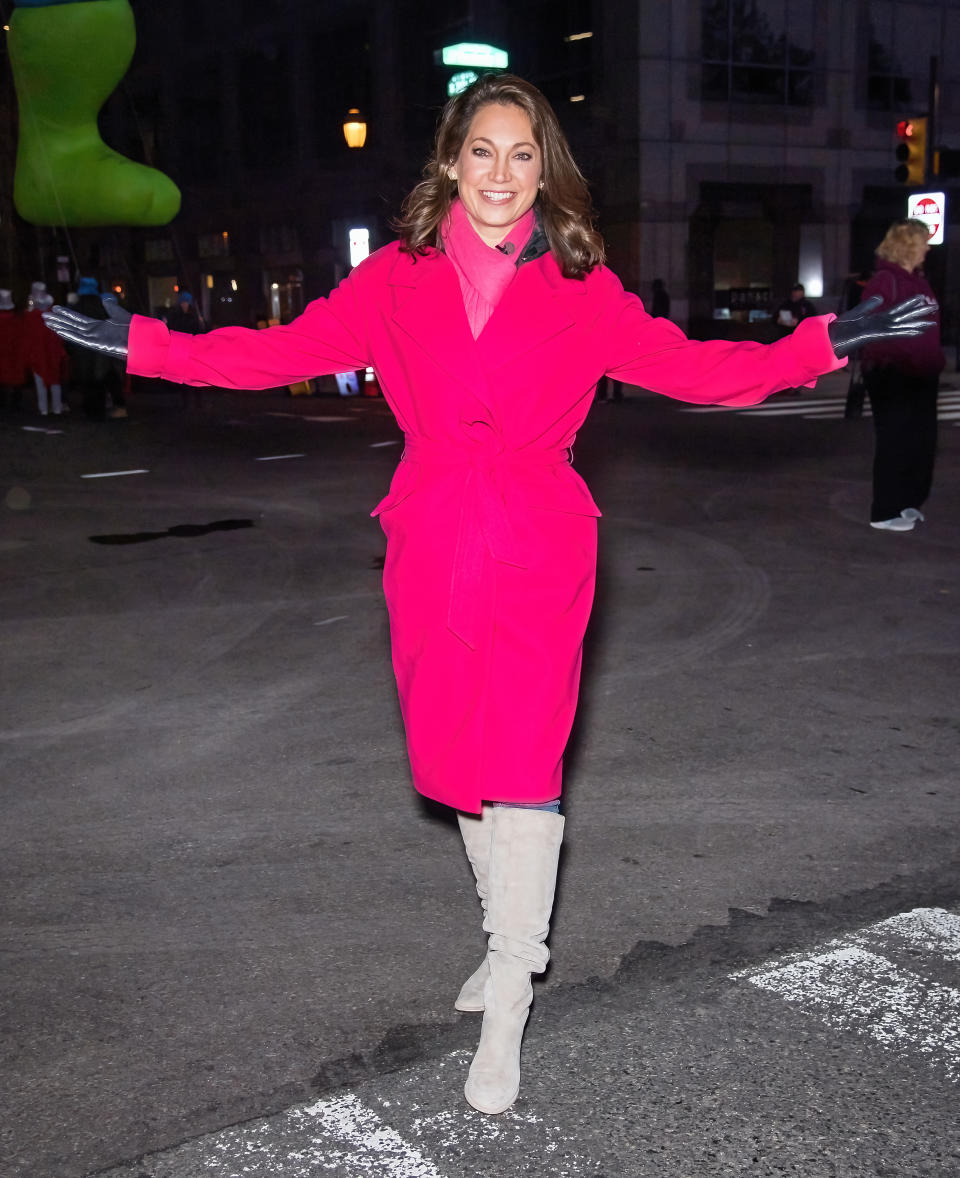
(656, 355)
(328, 337)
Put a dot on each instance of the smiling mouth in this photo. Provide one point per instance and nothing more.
(497, 198)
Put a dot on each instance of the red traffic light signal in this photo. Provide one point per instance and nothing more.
(911, 151)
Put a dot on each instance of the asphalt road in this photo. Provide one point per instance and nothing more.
(228, 921)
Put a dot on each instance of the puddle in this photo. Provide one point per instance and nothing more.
(179, 531)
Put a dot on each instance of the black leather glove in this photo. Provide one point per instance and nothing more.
(102, 335)
(864, 323)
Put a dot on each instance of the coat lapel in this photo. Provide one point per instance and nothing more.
(539, 304)
(428, 306)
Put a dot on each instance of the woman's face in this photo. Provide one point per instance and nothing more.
(497, 170)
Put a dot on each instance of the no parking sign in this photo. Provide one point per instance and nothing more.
(930, 208)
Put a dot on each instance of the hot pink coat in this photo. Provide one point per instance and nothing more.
(491, 534)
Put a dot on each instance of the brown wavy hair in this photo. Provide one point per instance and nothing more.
(563, 203)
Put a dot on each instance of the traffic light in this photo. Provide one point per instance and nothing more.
(911, 151)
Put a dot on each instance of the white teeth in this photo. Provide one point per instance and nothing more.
(498, 196)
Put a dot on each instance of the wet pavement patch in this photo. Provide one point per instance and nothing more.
(181, 531)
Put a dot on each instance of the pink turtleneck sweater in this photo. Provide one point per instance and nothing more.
(484, 271)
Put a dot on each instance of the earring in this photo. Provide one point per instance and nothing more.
(540, 185)
(451, 175)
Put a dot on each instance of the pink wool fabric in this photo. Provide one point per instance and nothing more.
(491, 534)
(484, 271)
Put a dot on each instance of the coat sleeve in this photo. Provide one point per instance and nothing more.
(656, 355)
(330, 336)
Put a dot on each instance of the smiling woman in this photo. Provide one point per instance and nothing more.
(501, 141)
(489, 324)
(497, 171)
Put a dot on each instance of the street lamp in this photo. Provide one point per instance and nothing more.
(355, 128)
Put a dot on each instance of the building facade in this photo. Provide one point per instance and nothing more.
(733, 146)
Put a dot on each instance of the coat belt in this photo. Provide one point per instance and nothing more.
(485, 533)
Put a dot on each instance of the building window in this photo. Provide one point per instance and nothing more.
(901, 39)
(279, 239)
(158, 249)
(887, 88)
(758, 51)
(564, 34)
(214, 245)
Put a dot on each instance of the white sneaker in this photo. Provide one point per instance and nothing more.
(913, 513)
(897, 524)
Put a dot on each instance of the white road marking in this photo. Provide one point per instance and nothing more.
(278, 457)
(113, 474)
(39, 429)
(375, 1147)
(378, 445)
(305, 417)
(327, 621)
(852, 987)
(819, 409)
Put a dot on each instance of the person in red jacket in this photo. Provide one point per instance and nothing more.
(902, 378)
(44, 354)
(13, 369)
(489, 324)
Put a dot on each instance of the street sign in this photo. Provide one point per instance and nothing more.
(486, 57)
(459, 82)
(931, 209)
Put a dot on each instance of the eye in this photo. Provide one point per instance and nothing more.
(479, 151)
(524, 156)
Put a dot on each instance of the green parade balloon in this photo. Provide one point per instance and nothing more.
(67, 59)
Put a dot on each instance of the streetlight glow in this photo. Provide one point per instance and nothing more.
(355, 128)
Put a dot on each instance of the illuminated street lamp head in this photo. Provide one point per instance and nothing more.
(355, 128)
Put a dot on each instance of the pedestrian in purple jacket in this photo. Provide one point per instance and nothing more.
(902, 378)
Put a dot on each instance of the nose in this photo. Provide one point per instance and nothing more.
(501, 169)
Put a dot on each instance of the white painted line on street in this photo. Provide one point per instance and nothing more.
(926, 930)
(40, 429)
(854, 989)
(835, 414)
(328, 621)
(798, 410)
(799, 404)
(113, 474)
(858, 991)
(378, 445)
(305, 417)
(375, 1147)
(278, 457)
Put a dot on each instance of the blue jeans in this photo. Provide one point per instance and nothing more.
(553, 807)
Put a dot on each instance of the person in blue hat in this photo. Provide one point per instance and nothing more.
(184, 316)
(99, 385)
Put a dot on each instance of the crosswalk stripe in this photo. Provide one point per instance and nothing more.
(926, 930)
(855, 988)
(948, 409)
(372, 1143)
(860, 991)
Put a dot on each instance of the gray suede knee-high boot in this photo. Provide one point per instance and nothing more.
(521, 882)
(477, 832)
